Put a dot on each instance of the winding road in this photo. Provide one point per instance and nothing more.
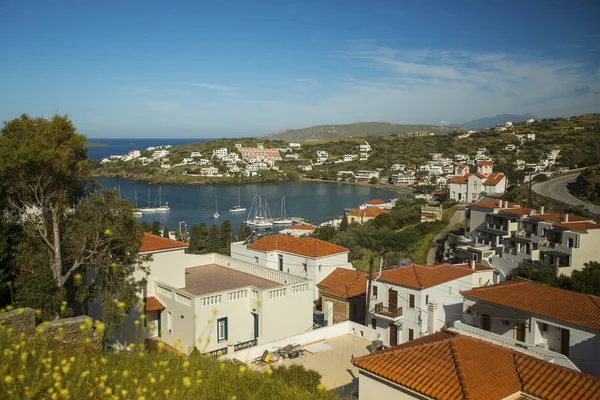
(556, 189)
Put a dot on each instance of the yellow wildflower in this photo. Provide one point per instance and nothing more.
(126, 373)
(186, 381)
(186, 364)
(121, 304)
(8, 379)
(320, 387)
(242, 368)
(21, 310)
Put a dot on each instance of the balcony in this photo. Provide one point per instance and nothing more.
(388, 313)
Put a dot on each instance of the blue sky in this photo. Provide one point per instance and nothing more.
(241, 68)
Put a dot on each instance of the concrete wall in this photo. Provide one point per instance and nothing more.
(20, 321)
(372, 387)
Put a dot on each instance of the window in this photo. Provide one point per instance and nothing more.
(427, 299)
(221, 329)
(256, 260)
(170, 322)
(374, 323)
(280, 262)
(571, 242)
(304, 267)
(544, 327)
(411, 301)
(411, 334)
(375, 292)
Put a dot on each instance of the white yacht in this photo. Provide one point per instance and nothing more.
(283, 220)
(153, 208)
(136, 211)
(238, 209)
(262, 216)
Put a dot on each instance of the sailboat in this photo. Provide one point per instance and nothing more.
(216, 214)
(160, 207)
(238, 208)
(283, 220)
(262, 215)
(136, 210)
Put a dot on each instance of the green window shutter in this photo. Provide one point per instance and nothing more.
(226, 329)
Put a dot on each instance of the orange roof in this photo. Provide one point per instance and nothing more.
(459, 179)
(421, 277)
(305, 246)
(303, 227)
(153, 304)
(375, 201)
(480, 175)
(493, 179)
(557, 217)
(368, 212)
(447, 365)
(478, 267)
(152, 242)
(517, 211)
(579, 226)
(495, 204)
(344, 283)
(483, 163)
(535, 298)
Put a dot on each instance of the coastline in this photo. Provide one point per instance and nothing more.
(175, 180)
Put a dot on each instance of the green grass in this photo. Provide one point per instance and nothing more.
(420, 254)
(36, 367)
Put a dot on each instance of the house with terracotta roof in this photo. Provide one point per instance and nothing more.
(466, 186)
(298, 230)
(448, 365)
(539, 315)
(414, 300)
(213, 302)
(360, 216)
(342, 296)
(305, 257)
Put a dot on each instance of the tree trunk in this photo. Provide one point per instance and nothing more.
(57, 249)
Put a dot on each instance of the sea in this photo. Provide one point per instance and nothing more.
(316, 202)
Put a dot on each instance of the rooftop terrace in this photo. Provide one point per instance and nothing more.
(213, 278)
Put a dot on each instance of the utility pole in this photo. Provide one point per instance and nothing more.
(369, 284)
(529, 194)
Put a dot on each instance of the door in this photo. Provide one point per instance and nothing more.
(255, 318)
(486, 322)
(393, 335)
(281, 262)
(392, 300)
(565, 336)
(160, 323)
(520, 332)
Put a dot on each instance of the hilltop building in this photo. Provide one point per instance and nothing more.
(467, 187)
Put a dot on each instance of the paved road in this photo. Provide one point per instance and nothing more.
(557, 189)
(459, 216)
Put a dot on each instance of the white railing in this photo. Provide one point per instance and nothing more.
(164, 291)
(255, 294)
(257, 270)
(300, 288)
(276, 293)
(210, 300)
(238, 294)
(183, 299)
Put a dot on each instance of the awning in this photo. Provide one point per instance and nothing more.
(152, 304)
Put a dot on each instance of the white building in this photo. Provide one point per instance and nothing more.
(530, 120)
(195, 154)
(508, 124)
(220, 153)
(215, 303)
(539, 315)
(411, 301)
(305, 167)
(347, 157)
(366, 175)
(468, 187)
(531, 137)
(204, 161)
(398, 167)
(160, 154)
(210, 171)
(403, 179)
(294, 145)
(306, 257)
(364, 148)
(298, 230)
(234, 169)
(188, 160)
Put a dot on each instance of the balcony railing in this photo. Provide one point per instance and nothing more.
(245, 345)
(217, 353)
(388, 312)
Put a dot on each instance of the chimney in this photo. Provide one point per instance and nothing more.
(500, 203)
(541, 209)
(472, 263)
(431, 316)
(566, 217)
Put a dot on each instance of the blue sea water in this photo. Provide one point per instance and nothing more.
(123, 146)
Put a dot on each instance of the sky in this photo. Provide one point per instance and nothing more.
(247, 68)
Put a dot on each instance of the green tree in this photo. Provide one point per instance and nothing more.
(155, 230)
(213, 245)
(373, 180)
(244, 232)
(343, 227)
(225, 238)
(587, 280)
(166, 232)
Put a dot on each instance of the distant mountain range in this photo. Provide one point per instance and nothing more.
(499, 119)
(358, 129)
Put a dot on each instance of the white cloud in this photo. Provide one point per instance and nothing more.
(211, 86)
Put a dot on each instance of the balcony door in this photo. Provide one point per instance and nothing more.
(565, 337)
(520, 332)
(393, 335)
(392, 300)
(486, 322)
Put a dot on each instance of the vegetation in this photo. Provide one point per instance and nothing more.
(398, 234)
(585, 281)
(587, 186)
(40, 368)
(60, 227)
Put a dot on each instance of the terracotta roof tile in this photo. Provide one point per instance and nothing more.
(375, 201)
(459, 179)
(517, 211)
(421, 277)
(344, 283)
(302, 227)
(483, 163)
(305, 246)
(563, 305)
(478, 267)
(557, 217)
(153, 304)
(578, 226)
(152, 242)
(448, 365)
(368, 212)
(493, 179)
(495, 204)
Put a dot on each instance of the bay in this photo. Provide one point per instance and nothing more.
(316, 202)
(123, 146)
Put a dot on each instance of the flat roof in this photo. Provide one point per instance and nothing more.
(213, 278)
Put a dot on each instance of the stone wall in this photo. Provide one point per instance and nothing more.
(21, 320)
(65, 330)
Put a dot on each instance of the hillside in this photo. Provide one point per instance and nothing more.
(499, 119)
(358, 129)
